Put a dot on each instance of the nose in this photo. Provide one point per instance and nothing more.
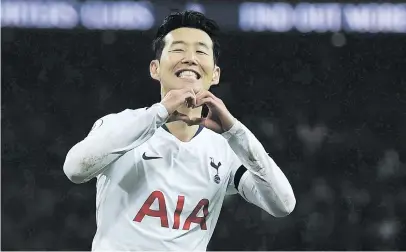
(190, 58)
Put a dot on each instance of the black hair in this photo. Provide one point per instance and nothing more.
(191, 19)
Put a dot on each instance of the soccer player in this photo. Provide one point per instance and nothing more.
(163, 171)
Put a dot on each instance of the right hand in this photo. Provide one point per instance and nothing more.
(174, 99)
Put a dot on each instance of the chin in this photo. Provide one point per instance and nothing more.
(196, 86)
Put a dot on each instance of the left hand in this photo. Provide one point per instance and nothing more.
(219, 118)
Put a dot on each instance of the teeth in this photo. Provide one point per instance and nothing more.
(187, 74)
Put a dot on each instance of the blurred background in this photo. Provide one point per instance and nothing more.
(322, 85)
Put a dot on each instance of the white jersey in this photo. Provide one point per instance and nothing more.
(164, 194)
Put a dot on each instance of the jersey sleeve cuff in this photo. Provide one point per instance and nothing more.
(235, 129)
(162, 113)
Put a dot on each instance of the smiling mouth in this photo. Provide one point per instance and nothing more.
(188, 74)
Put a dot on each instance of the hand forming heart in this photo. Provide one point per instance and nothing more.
(219, 119)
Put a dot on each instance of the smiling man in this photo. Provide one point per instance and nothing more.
(163, 172)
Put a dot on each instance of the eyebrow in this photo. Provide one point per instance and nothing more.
(184, 43)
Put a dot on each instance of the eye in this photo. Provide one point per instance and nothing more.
(201, 52)
(177, 50)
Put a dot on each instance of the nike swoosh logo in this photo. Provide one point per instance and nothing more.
(145, 157)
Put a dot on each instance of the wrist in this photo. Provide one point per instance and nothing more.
(229, 123)
(167, 107)
(234, 130)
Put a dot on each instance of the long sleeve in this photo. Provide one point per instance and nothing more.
(263, 184)
(111, 137)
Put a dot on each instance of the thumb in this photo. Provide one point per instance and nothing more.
(193, 121)
(176, 116)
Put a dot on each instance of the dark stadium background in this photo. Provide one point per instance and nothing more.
(330, 109)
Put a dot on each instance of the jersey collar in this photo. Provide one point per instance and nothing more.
(197, 132)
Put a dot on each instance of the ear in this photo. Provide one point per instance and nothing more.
(154, 69)
(216, 75)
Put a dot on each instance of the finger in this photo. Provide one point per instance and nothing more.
(204, 94)
(176, 116)
(193, 96)
(209, 101)
(182, 117)
(207, 123)
(191, 91)
(194, 121)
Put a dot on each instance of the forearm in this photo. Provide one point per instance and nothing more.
(265, 185)
(119, 134)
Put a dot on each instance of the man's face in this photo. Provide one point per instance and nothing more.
(186, 61)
